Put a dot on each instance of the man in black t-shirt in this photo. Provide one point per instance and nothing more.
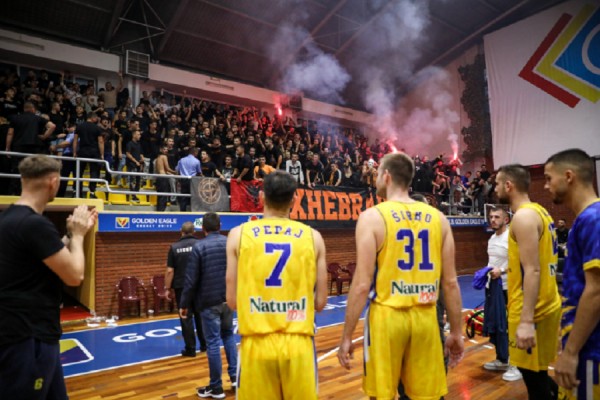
(243, 165)
(26, 134)
(135, 162)
(89, 143)
(34, 264)
(177, 260)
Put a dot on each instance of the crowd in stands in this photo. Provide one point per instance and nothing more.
(57, 115)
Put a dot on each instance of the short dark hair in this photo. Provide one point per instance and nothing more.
(187, 228)
(578, 160)
(518, 175)
(279, 188)
(400, 167)
(419, 197)
(211, 222)
(92, 115)
(38, 166)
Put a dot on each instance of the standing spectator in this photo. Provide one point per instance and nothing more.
(110, 146)
(294, 168)
(89, 143)
(265, 261)
(273, 154)
(162, 184)
(188, 166)
(243, 165)
(209, 169)
(177, 264)
(109, 96)
(34, 264)
(314, 172)
(262, 169)
(562, 235)
(335, 176)
(204, 287)
(570, 181)
(498, 260)
(25, 136)
(68, 166)
(534, 306)
(135, 163)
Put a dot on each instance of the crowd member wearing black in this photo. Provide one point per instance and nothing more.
(177, 261)
(135, 162)
(34, 264)
(89, 143)
(110, 146)
(314, 172)
(243, 165)
(26, 134)
(209, 169)
(204, 288)
(562, 235)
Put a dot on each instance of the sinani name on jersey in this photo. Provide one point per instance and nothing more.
(409, 263)
(548, 299)
(277, 274)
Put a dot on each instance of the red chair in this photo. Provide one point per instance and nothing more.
(131, 290)
(350, 269)
(338, 276)
(159, 289)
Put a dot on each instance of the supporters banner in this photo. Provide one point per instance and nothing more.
(544, 84)
(209, 194)
(331, 206)
(244, 196)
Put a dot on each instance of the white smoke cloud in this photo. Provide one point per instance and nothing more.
(319, 74)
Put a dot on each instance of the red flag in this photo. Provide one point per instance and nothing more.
(244, 196)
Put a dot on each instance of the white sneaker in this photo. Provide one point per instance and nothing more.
(496, 365)
(513, 374)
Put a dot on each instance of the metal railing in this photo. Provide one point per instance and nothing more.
(107, 167)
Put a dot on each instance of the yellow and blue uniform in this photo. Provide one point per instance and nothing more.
(277, 274)
(583, 254)
(547, 308)
(402, 341)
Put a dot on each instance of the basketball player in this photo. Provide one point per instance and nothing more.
(276, 278)
(570, 180)
(407, 248)
(533, 300)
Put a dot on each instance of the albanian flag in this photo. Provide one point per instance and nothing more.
(245, 196)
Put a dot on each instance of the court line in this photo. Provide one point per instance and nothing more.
(335, 350)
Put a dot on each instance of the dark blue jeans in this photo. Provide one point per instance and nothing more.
(31, 370)
(217, 324)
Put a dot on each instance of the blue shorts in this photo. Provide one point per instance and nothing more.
(31, 370)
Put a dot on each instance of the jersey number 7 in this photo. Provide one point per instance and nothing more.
(274, 280)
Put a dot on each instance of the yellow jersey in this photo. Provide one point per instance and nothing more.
(409, 262)
(548, 298)
(277, 275)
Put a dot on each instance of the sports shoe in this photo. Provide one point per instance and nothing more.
(188, 353)
(496, 365)
(234, 383)
(207, 391)
(513, 374)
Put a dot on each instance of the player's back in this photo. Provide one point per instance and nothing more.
(548, 298)
(277, 275)
(409, 262)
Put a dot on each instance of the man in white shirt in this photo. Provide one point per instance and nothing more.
(498, 260)
(294, 168)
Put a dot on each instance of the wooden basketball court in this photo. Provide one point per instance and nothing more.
(178, 377)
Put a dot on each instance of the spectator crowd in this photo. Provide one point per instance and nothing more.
(55, 114)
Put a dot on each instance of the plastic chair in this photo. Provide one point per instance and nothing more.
(158, 289)
(338, 276)
(131, 290)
